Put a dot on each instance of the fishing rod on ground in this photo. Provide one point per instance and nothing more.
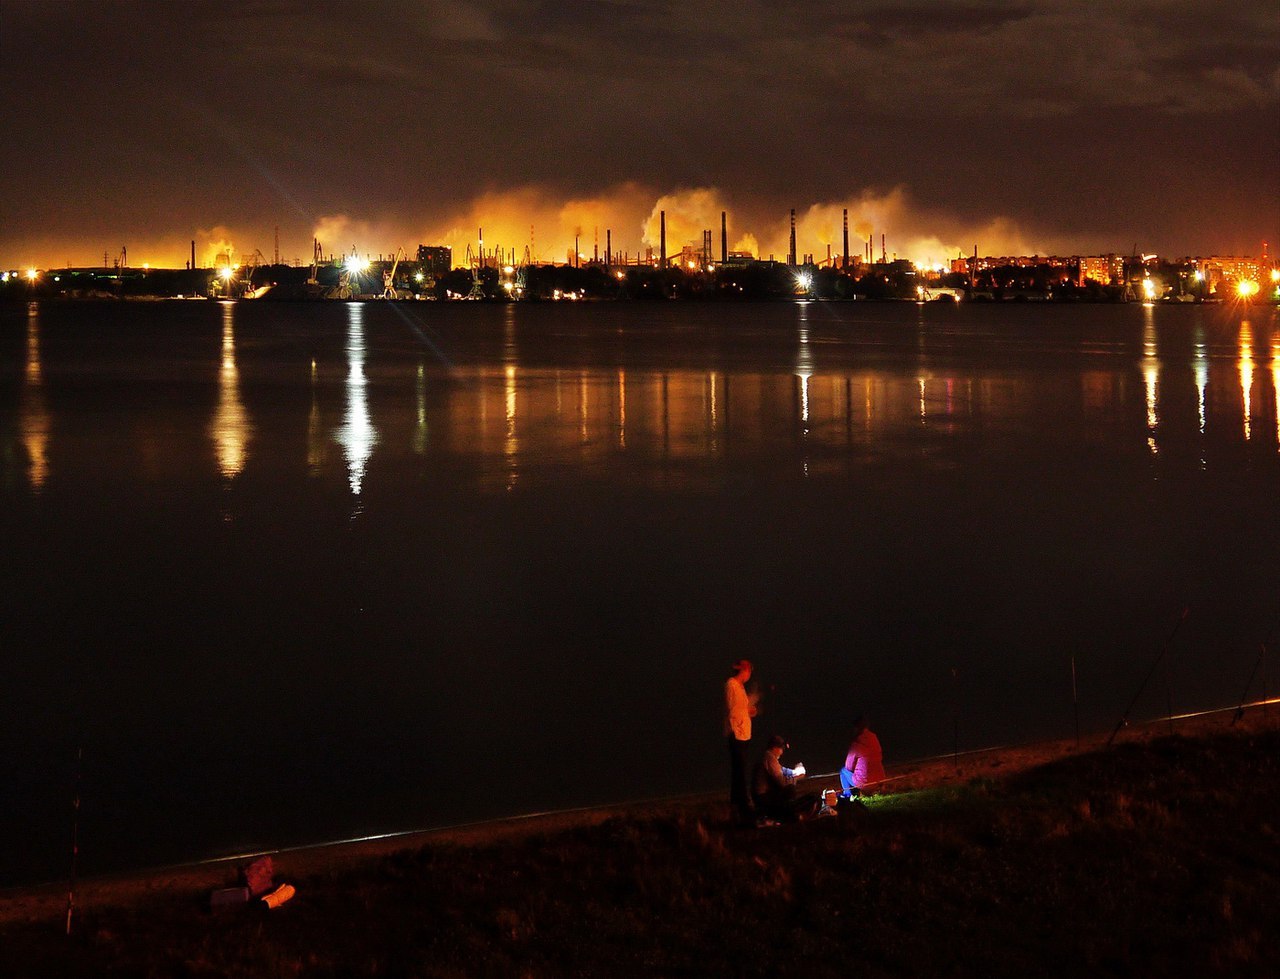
(1258, 664)
(955, 715)
(1164, 651)
(75, 837)
(1075, 699)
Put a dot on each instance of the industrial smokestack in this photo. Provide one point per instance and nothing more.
(846, 237)
(608, 246)
(193, 254)
(884, 255)
(791, 256)
(662, 239)
(724, 239)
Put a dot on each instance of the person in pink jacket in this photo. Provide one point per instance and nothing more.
(864, 765)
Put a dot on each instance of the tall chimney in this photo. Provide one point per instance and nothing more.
(884, 255)
(791, 256)
(724, 239)
(662, 239)
(846, 237)
(193, 254)
(608, 246)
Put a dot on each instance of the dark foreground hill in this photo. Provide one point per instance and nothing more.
(1158, 856)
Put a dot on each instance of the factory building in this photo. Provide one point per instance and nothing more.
(435, 260)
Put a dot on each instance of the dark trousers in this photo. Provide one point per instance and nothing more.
(739, 796)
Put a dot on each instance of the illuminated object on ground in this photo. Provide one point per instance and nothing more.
(804, 280)
(31, 275)
(1246, 288)
(227, 273)
(1148, 289)
(417, 276)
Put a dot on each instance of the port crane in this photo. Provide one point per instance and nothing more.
(250, 265)
(476, 261)
(315, 262)
(349, 283)
(389, 276)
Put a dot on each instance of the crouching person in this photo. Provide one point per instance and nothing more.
(864, 764)
(773, 786)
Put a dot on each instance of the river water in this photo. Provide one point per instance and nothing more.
(290, 573)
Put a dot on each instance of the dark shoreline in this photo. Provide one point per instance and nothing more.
(1154, 854)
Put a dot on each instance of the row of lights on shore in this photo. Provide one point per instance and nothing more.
(1245, 288)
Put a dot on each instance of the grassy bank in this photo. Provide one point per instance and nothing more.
(1157, 856)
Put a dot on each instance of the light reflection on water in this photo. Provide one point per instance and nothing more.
(230, 429)
(356, 435)
(1202, 376)
(1275, 382)
(1246, 377)
(420, 429)
(1151, 374)
(35, 421)
(557, 415)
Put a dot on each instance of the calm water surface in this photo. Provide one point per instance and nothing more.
(293, 573)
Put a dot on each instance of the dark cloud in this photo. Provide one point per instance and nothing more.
(148, 120)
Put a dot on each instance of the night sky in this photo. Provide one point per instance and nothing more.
(1067, 126)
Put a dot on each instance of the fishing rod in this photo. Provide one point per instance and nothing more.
(1075, 698)
(1257, 664)
(1124, 720)
(75, 837)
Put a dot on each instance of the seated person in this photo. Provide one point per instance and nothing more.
(830, 801)
(773, 786)
(864, 765)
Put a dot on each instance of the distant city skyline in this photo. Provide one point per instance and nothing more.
(1022, 128)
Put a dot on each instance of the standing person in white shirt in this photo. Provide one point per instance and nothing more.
(739, 708)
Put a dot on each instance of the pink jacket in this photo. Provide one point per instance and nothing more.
(865, 760)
